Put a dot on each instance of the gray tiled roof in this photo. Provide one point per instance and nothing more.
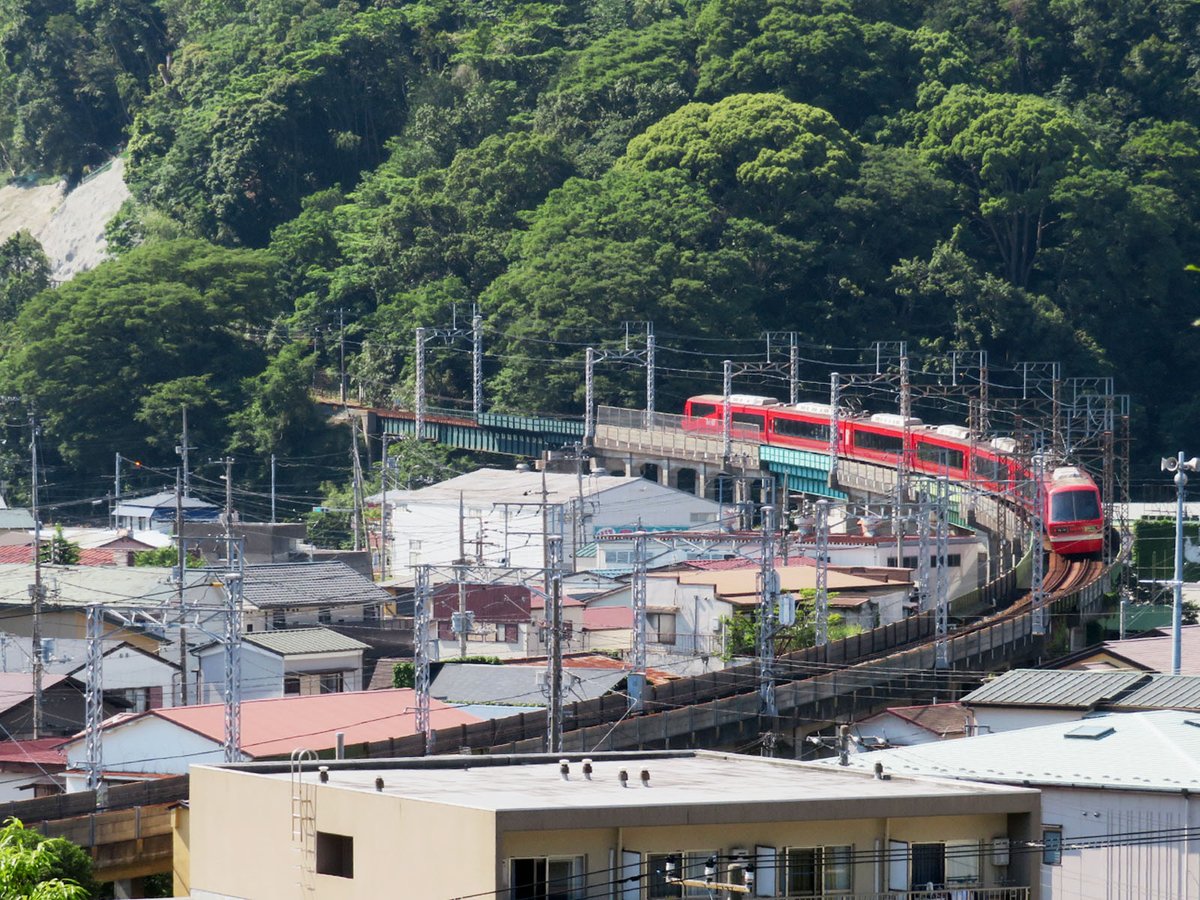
(292, 585)
(1048, 687)
(294, 641)
(516, 685)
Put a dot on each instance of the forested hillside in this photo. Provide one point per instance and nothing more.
(1017, 176)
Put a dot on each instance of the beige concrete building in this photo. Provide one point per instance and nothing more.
(644, 826)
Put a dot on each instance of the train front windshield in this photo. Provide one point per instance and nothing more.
(1074, 506)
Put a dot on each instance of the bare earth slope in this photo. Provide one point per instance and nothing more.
(70, 226)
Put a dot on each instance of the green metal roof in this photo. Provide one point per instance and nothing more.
(295, 641)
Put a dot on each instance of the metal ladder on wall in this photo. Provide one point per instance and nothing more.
(304, 822)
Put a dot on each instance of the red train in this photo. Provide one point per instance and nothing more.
(1071, 511)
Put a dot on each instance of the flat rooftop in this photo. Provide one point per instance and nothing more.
(680, 784)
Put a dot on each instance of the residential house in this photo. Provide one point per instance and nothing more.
(62, 705)
(1022, 698)
(71, 589)
(966, 558)
(1151, 652)
(628, 826)
(503, 620)
(907, 726)
(15, 518)
(491, 691)
(505, 518)
(299, 661)
(31, 768)
(687, 606)
(1120, 801)
(287, 595)
(166, 741)
(158, 512)
(133, 678)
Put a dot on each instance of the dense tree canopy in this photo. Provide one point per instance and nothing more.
(1018, 178)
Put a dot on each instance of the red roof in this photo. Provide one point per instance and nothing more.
(90, 556)
(279, 725)
(42, 752)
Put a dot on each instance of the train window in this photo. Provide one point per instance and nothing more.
(703, 410)
(873, 440)
(749, 419)
(988, 469)
(797, 428)
(1072, 506)
(939, 456)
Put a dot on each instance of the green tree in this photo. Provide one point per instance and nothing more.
(109, 356)
(24, 272)
(58, 551)
(1008, 153)
(34, 867)
(741, 631)
(165, 557)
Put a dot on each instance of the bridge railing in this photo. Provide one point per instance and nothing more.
(636, 431)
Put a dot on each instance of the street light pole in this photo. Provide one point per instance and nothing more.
(1180, 466)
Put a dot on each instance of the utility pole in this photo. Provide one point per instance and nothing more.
(181, 450)
(1180, 466)
(637, 675)
(384, 462)
(942, 658)
(181, 561)
(272, 488)
(554, 720)
(923, 550)
(477, 365)
(650, 376)
(726, 412)
(419, 386)
(94, 698)
(458, 577)
(1037, 603)
(589, 397)
(822, 601)
(767, 613)
(233, 666)
(835, 397)
(342, 355)
(229, 511)
(357, 469)
(36, 590)
(422, 594)
(116, 487)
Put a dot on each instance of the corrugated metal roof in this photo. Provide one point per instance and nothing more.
(516, 685)
(294, 641)
(1049, 687)
(290, 585)
(1150, 751)
(1164, 692)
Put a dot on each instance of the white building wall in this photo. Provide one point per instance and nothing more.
(129, 669)
(1144, 870)
(262, 674)
(995, 719)
(427, 532)
(149, 745)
